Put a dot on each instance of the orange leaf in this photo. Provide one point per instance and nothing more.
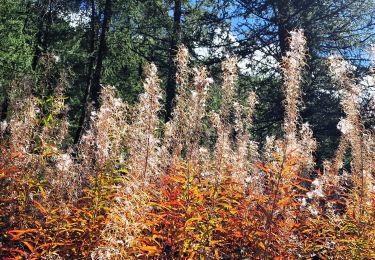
(46, 245)
(192, 220)
(217, 256)
(262, 167)
(29, 246)
(191, 256)
(283, 201)
(151, 249)
(304, 179)
(300, 187)
(40, 207)
(177, 178)
(214, 242)
(8, 170)
(262, 245)
(16, 233)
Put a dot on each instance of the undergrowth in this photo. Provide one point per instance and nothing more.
(134, 187)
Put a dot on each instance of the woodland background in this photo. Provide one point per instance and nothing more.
(108, 43)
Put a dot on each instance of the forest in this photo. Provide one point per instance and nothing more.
(187, 129)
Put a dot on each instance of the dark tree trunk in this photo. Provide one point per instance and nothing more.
(91, 50)
(102, 49)
(175, 41)
(282, 17)
(4, 108)
(93, 88)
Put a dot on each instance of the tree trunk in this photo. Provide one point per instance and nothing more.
(93, 87)
(4, 108)
(102, 49)
(175, 41)
(282, 15)
(86, 97)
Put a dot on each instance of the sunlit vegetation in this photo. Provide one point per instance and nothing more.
(196, 187)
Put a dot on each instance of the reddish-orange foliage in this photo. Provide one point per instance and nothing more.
(32, 227)
(190, 216)
(193, 217)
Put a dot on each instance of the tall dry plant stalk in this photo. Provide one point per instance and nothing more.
(351, 126)
(308, 146)
(144, 163)
(111, 127)
(144, 144)
(224, 154)
(296, 150)
(230, 76)
(350, 92)
(298, 141)
(338, 162)
(23, 110)
(197, 112)
(100, 149)
(246, 150)
(175, 129)
(102, 143)
(37, 128)
(292, 66)
(182, 62)
(369, 137)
